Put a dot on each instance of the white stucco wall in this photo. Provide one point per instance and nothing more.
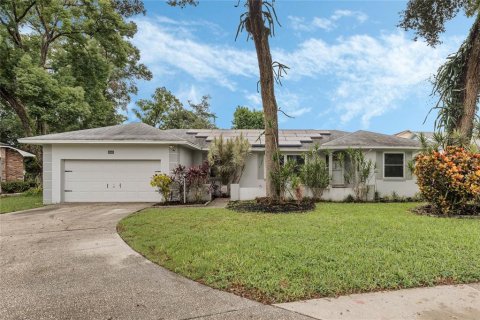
(251, 186)
(47, 174)
(59, 153)
(185, 156)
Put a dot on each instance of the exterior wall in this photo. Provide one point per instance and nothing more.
(252, 184)
(47, 174)
(185, 156)
(59, 153)
(12, 167)
(404, 187)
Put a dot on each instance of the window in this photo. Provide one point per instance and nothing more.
(298, 159)
(393, 165)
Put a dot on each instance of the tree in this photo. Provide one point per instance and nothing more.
(154, 111)
(244, 118)
(259, 22)
(165, 111)
(458, 80)
(68, 60)
(314, 173)
(358, 170)
(228, 157)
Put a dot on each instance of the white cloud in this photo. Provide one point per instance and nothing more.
(327, 24)
(289, 102)
(255, 100)
(189, 93)
(163, 50)
(370, 75)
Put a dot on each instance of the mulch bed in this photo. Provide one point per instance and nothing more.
(267, 206)
(472, 211)
(179, 203)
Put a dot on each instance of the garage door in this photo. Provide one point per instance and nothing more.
(110, 181)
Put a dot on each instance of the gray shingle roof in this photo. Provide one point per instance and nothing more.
(201, 138)
(369, 139)
(130, 131)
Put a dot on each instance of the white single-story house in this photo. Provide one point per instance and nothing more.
(115, 164)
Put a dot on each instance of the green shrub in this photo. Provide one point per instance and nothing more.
(349, 198)
(162, 182)
(16, 186)
(314, 173)
(34, 191)
(449, 179)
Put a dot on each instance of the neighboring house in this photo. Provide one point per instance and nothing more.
(12, 167)
(415, 135)
(115, 164)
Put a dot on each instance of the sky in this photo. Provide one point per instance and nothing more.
(351, 67)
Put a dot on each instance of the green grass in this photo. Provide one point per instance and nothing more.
(17, 203)
(337, 249)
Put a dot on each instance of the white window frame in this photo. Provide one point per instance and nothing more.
(384, 164)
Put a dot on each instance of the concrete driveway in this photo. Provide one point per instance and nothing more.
(67, 262)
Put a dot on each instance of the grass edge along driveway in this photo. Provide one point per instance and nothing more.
(20, 202)
(337, 249)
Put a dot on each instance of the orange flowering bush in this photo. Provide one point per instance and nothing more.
(449, 179)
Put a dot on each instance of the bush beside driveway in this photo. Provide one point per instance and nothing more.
(337, 249)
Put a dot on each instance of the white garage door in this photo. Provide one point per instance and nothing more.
(110, 181)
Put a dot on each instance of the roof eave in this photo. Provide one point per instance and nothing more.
(46, 141)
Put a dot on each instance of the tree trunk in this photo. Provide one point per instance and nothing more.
(472, 84)
(19, 109)
(260, 33)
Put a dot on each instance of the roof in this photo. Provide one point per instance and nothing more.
(414, 134)
(24, 154)
(201, 138)
(299, 139)
(368, 139)
(137, 132)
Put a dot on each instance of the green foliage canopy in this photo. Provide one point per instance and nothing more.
(68, 64)
(165, 111)
(244, 118)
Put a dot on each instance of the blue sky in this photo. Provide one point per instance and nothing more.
(351, 67)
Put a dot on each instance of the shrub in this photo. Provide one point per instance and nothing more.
(178, 182)
(358, 171)
(34, 191)
(16, 186)
(162, 182)
(197, 177)
(228, 158)
(284, 178)
(314, 173)
(449, 179)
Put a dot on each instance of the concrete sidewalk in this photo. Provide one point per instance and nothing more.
(434, 303)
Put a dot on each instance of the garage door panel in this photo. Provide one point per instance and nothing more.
(110, 181)
(112, 186)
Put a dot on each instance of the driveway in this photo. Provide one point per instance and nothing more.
(68, 262)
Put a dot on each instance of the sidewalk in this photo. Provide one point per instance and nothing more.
(460, 302)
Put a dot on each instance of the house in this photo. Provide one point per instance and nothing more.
(12, 167)
(429, 136)
(408, 134)
(115, 164)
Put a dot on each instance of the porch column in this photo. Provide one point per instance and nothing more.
(330, 167)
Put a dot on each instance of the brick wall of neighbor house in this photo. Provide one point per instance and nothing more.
(12, 165)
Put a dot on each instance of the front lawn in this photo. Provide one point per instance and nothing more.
(21, 202)
(337, 249)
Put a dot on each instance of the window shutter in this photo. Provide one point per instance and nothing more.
(379, 164)
(408, 172)
(261, 166)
